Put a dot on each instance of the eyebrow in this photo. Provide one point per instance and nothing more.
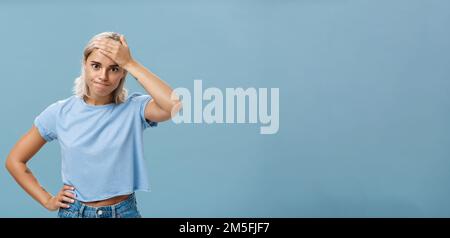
(113, 65)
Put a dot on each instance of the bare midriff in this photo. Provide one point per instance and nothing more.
(107, 202)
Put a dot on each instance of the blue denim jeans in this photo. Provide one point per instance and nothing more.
(123, 209)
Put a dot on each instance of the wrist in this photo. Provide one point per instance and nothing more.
(47, 201)
(130, 64)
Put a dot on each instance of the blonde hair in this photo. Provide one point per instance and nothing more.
(81, 89)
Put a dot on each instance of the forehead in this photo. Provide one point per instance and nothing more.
(101, 58)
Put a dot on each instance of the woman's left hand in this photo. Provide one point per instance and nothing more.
(118, 52)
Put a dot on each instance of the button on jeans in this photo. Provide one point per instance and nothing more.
(123, 209)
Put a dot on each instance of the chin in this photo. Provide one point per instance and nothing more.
(102, 93)
(99, 92)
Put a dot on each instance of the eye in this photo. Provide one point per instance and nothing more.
(95, 66)
(115, 69)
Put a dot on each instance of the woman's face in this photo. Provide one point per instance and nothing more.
(102, 75)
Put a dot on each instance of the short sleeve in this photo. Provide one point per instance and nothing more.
(45, 122)
(142, 100)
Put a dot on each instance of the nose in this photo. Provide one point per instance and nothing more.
(102, 75)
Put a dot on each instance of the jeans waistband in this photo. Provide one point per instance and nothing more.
(125, 204)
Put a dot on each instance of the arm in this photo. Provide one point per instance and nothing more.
(162, 106)
(16, 164)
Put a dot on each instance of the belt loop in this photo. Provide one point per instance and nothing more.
(113, 208)
(80, 215)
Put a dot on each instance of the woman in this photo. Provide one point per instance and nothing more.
(99, 130)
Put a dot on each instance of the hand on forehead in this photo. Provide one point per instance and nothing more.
(115, 50)
(106, 41)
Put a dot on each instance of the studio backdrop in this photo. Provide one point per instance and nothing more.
(291, 108)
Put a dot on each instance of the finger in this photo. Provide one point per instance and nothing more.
(106, 53)
(66, 199)
(67, 187)
(109, 42)
(104, 47)
(63, 205)
(61, 198)
(69, 194)
(123, 41)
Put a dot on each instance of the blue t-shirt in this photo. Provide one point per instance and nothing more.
(101, 146)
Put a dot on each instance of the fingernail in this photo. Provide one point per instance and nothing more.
(72, 201)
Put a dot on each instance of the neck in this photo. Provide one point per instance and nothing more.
(98, 100)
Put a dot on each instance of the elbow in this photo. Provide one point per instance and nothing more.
(175, 104)
(176, 107)
(11, 164)
(8, 164)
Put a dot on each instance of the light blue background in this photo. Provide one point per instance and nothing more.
(364, 102)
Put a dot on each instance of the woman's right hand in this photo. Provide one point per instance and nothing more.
(61, 199)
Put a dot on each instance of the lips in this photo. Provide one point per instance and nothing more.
(101, 84)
